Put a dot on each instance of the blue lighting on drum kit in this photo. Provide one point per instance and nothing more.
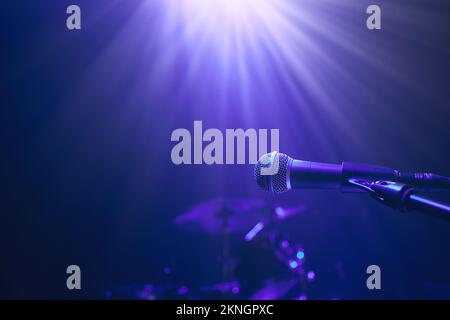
(293, 264)
(235, 290)
(284, 244)
(280, 212)
(254, 231)
(183, 290)
(167, 270)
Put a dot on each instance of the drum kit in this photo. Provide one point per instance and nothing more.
(258, 261)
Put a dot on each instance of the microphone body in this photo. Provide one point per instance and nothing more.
(317, 175)
(277, 173)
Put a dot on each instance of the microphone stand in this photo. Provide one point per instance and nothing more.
(403, 197)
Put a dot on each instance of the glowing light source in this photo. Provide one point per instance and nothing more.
(222, 15)
(254, 231)
(279, 211)
(293, 264)
(284, 244)
(239, 39)
(300, 254)
(223, 9)
(236, 58)
(183, 290)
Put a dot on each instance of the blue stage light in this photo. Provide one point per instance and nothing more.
(254, 231)
(311, 275)
(284, 244)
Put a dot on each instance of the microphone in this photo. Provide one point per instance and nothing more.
(277, 173)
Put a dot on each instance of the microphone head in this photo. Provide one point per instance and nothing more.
(272, 172)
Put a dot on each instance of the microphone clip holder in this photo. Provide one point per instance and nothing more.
(402, 197)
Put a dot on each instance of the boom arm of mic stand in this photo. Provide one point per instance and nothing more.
(403, 197)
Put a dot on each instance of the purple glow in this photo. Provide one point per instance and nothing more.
(147, 292)
(279, 211)
(286, 212)
(273, 290)
(183, 290)
(311, 275)
(235, 290)
(284, 244)
(167, 270)
(254, 231)
(244, 40)
(244, 55)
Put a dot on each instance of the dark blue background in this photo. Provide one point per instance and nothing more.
(87, 178)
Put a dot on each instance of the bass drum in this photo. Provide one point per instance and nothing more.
(271, 267)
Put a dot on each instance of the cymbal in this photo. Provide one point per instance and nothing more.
(222, 214)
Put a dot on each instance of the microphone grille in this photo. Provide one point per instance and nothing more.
(271, 172)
